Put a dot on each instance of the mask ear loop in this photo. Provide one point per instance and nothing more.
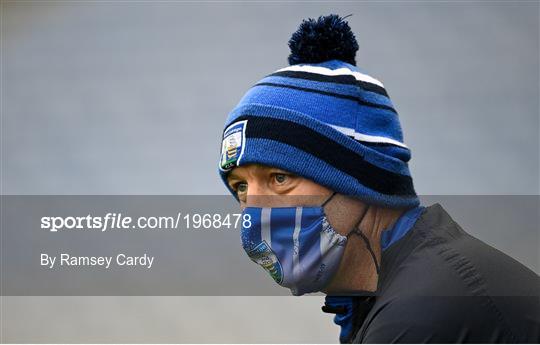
(327, 200)
(358, 232)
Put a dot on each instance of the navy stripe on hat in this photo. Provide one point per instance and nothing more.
(338, 79)
(332, 94)
(320, 146)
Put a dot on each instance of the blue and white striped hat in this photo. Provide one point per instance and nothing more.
(325, 119)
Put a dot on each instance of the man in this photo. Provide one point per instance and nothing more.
(324, 133)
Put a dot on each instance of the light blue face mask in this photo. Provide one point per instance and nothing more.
(296, 245)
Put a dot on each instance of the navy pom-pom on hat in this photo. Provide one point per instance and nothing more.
(326, 38)
(324, 119)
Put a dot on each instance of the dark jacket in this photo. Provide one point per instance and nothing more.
(438, 284)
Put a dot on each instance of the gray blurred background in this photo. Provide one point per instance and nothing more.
(130, 98)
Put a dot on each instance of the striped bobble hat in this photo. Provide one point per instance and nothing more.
(324, 119)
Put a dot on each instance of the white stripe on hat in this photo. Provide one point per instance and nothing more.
(332, 72)
(368, 138)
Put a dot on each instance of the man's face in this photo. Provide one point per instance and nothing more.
(263, 186)
(260, 180)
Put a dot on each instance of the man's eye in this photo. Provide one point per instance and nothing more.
(241, 187)
(280, 178)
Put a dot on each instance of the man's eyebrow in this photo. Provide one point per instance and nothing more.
(233, 176)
